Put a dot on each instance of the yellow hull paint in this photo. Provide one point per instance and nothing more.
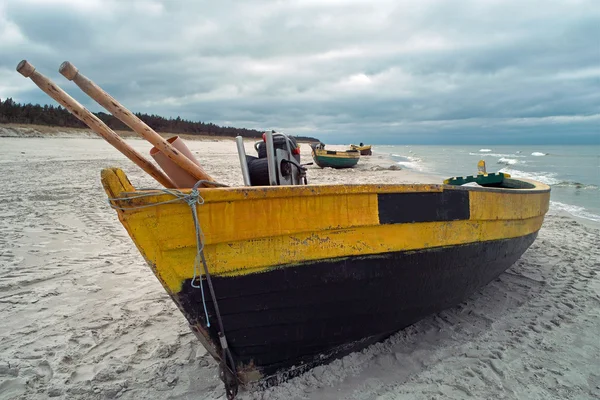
(360, 148)
(337, 154)
(249, 230)
(251, 256)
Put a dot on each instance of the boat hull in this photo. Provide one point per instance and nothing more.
(306, 273)
(336, 159)
(364, 150)
(335, 162)
(289, 319)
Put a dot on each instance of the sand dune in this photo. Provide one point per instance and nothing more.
(83, 317)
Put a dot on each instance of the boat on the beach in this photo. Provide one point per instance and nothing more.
(277, 278)
(305, 274)
(333, 158)
(365, 149)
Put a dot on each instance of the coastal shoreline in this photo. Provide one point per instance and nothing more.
(379, 163)
(372, 169)
(85, 318)
(45, 131)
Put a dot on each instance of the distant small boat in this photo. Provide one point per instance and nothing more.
(365, 149)
(334, 159)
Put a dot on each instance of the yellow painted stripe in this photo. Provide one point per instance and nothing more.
(248, 230)
(251, 256)
(491, 205)
(231, 221)
(211, 195)
(252, 219)
(337, 154)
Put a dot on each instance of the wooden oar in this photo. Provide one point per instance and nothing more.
(118, 110)
(83, 114)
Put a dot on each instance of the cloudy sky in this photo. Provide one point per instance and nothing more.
(414, 71)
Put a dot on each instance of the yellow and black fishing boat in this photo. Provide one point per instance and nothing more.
(365, 149)
(277, 278)
(303, 274)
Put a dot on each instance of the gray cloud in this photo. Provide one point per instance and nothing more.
(411, 71)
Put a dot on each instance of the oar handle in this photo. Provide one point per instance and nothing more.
(70, 72)
(75, 108)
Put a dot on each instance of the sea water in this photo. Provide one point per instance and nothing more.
(573, 172)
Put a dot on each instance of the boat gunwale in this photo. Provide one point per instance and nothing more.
(349, 154)
(240, 193)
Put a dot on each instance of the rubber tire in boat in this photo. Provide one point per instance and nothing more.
(259, 171)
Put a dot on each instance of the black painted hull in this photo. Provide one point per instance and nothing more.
(288, 319)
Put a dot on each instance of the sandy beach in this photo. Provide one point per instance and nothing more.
(83, 317)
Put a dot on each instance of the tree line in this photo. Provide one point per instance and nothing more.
(50, 115)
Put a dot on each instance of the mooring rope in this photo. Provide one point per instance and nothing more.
(192, 199)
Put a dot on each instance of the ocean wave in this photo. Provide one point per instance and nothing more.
(538, 154)
(509, 161)
(549, 178)
(485, 150)
(577, 185)
(411, 165)
(495, 155)
(410, 162)
(577, 211)
(406, 158)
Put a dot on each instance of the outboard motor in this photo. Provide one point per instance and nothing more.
(280, 141)
(278, 161)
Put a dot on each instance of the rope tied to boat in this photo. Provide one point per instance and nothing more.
(193, 199)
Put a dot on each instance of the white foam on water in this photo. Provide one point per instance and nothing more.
(485, 150)
(549, 178)
(538, 154)
(509, 161)
(494, 155)
(577, 185)
(415, 165)
(577, 211)
(410, 162)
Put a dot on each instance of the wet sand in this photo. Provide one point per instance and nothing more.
(84, 318)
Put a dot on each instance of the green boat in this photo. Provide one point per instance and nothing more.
(334, 159)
